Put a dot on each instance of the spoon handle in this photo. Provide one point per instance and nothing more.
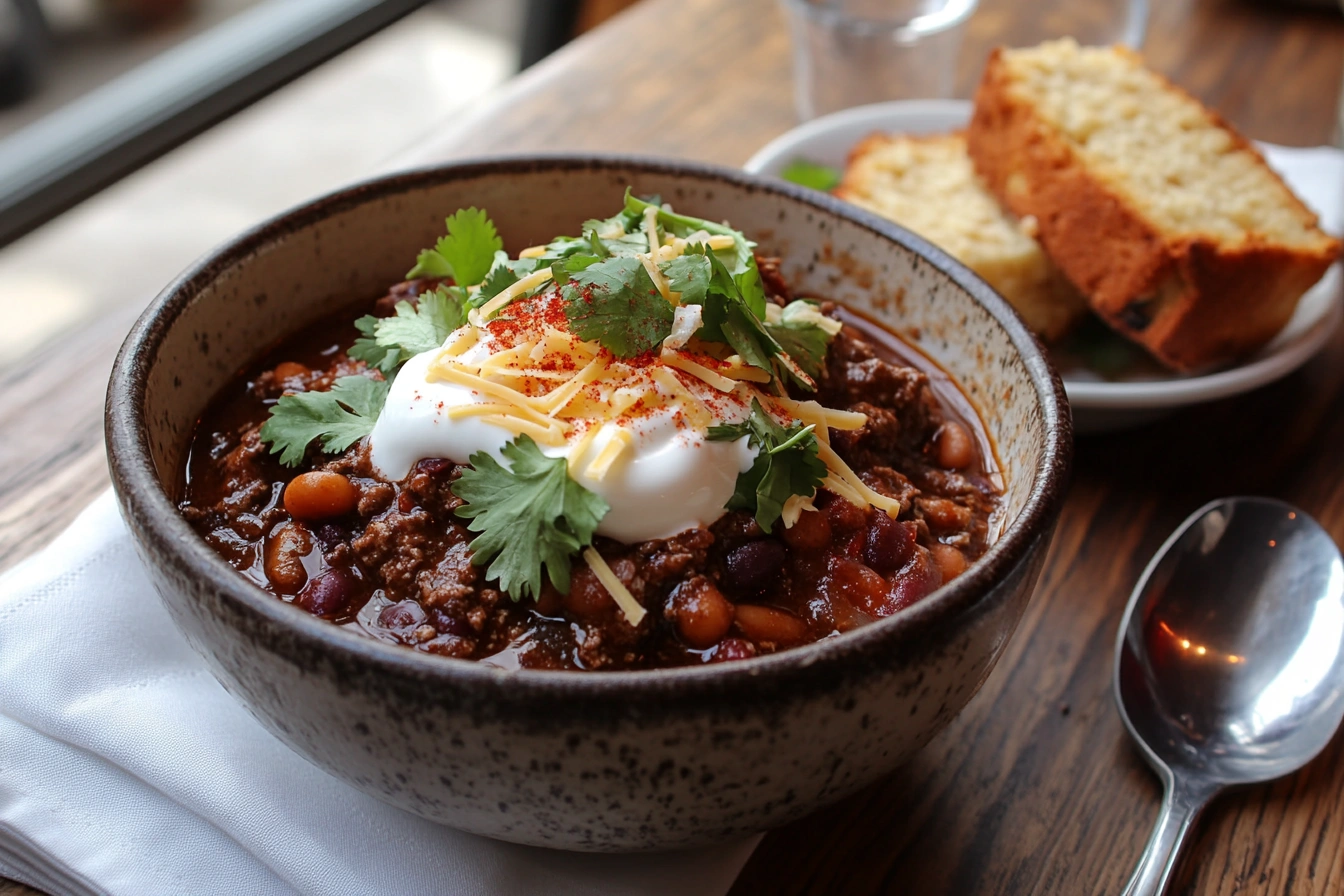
(1181, 805)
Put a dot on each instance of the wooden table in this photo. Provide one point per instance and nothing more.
(1035, 787)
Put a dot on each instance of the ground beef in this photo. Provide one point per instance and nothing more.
(398, 565)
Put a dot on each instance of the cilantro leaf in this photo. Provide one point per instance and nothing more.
(429, 263)
(366, 347)
(529, 515)
(799, 336)
(389, 342)
(466, 254)
(787, 464)
(615, 303)
(420, 328)
(750, 288)
(572, 264)
(685, 225)
(596, 243)
(500, 279)
(689, 275)
(338, 418)
(748, 337)
(811, 174)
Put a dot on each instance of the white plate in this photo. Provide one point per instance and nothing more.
(1316, 175)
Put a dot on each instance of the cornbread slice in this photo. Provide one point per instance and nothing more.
(928, 185)
(1168, 220)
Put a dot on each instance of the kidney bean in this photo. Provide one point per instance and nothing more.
(844, 516)
(950, 560)
(915, 581)
(730, 649)
(811, 531)
(754, 565)
(858, 586)
(433, 466)
(283, 560)
(852, 545)
(406, 614)
(320, 494)
(330, 594)
(700, 612)
(954, 447)
(888, 544)
(768, 624)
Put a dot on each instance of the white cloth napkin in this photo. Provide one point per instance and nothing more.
(126, 769)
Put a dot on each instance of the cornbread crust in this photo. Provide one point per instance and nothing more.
(1192, 298)
(927, 183)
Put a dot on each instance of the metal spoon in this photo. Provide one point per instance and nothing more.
(1229, 664)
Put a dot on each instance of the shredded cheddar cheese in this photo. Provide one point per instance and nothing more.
(634, 613)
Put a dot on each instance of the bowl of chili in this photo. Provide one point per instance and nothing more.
(678, 684)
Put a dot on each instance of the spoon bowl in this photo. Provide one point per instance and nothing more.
(1230, 659)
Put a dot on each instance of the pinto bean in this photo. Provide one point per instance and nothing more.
(587, 597)
(700, 612)
(290, 370)
(944, 515)
(859, 586)
(951, 561)
(319, 495)
(955, 449)
(283, 558)
(767, 624)
(549, 601)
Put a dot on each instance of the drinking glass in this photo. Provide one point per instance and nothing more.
(850, 52)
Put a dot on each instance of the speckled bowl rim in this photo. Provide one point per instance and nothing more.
(167, 536)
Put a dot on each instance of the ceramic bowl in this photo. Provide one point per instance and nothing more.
(611, 761)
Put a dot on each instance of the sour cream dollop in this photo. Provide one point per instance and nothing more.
(668, 478)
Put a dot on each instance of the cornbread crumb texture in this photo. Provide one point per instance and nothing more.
(1170, 222)
(928, 184)
(1157, 145)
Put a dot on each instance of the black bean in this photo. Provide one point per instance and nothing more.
(753, 566)
(331, 534)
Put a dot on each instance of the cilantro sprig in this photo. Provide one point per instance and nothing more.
(388, 342)
(530, 515)
(465, 254)
(615, 303)
(337, 418)
(797, 333)
(787, 464)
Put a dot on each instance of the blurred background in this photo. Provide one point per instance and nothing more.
(161, 124)
(92, 89)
